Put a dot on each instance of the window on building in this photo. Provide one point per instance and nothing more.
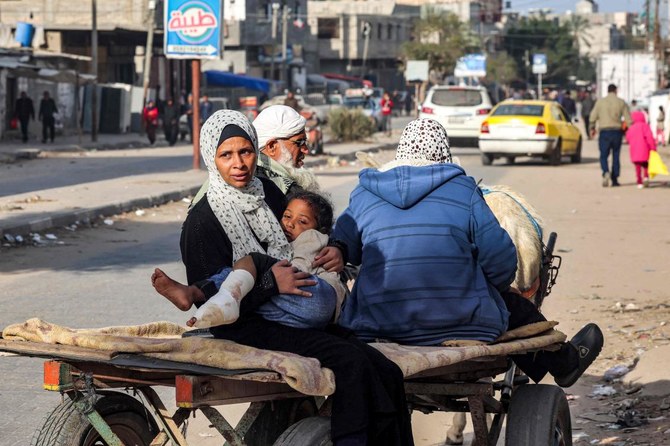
(389, 31)
(264, 10)
(380, 30)
(328, 28)
(398, 32)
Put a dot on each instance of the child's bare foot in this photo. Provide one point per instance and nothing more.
(191, 322)
(180, 295)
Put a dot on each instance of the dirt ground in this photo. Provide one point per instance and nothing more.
(615, 249)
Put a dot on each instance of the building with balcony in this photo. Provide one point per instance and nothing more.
(361, 38)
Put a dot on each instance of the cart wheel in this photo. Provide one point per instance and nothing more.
(510, 159)
(538, 415)
(312, 431)
(127, 417)
(276, 416)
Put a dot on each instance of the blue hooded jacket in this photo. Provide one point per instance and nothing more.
(433, 257)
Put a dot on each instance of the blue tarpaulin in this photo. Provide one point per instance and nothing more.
(225, 79)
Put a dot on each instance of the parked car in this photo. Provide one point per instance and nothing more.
(219, 103)
(371, 107)
(279, 100)
(529, 128)
(460, 110)
(323, 105)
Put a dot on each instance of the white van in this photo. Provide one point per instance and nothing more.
(461, 110)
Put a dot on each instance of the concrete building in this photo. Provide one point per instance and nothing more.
(482, 15)
(361, 38)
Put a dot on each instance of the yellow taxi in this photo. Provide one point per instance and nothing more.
(529, 128)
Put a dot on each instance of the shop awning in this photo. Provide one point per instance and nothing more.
(226, 79)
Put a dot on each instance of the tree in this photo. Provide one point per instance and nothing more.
(579, 29)
(441, 38)
(560, 42)
(500, 68)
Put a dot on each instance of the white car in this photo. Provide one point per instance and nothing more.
(461, 110)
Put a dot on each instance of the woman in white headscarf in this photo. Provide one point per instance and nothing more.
(240, 216)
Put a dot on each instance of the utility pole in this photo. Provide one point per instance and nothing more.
(94, 70)
(275, 8)
(657, 31)
(367, 28)
(284, 43)
(658, 46)
(148, 52)
(195, 83)
(647, 25)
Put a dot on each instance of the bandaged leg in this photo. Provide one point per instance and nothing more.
(224, 306)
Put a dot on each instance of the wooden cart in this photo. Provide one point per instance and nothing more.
(112, 401)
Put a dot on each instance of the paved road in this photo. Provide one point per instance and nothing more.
(97, 277)
(100, 276)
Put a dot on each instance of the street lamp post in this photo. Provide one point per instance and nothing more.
(367, 28)
(94, 70)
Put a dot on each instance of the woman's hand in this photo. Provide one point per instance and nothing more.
(330, 258)
(289, 279)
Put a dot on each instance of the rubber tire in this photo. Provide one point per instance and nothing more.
(555, 155)
(538, 415)
(312, 431)
(276, 417)
(577, 157)
(510, 159)
(127, 417)
(487, 160)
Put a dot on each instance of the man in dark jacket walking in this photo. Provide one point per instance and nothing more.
(46, 115)
(569, 105)
(23, 111)
(171, 121)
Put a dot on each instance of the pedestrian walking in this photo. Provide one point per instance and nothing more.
(150, 118)
(611, 114)
(46, 115)
(23, 111)
(640, 143)
(660, 126)
(292, 102)
(569, 105)
(387, 109)
(188, 111)
(587, 106)
(171, 121)
(206, 109)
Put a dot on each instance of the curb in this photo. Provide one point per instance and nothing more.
(66, 218)
(32, 153)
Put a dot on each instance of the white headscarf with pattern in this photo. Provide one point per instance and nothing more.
(245, 217)
(423, 142)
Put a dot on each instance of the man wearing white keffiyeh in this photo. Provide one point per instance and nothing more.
(237, 218)
(283, 145)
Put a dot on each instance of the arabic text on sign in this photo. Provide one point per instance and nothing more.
(193, 22)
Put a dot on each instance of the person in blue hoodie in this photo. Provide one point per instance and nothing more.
(435, 263)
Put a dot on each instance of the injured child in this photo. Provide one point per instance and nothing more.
(306, 222)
